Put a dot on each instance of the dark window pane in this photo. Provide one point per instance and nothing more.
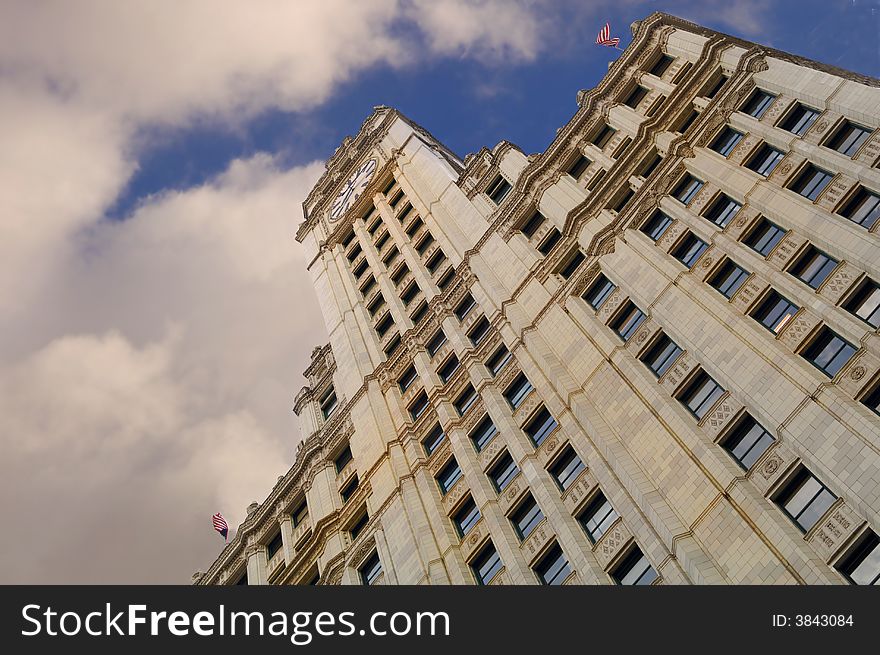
(518, 390)
(498, 360)
(503, 471)
(811, 182)
(758, 103)
(722, 211)
(578, 167)
(728, 279)
(627, 320)
(774, 312)
(764, 237)
(598, 292)
(656, 225)
(434, 439)
(466, 517)
(486, 564)
(371, 569)
(566, 468)
(597, 517)
(765, 160)
(701, 394)
(863, 209)
(448, 476)
(661, 355)
(466, 400)
(828, 352)
(526, 517)
(725, 142)
(483, 433)
(865, 303)
(805, 499)
(862, 566)
(848, 138)
(799, 120)
(541, 425)
(634, 570)
(748, 441)
(813, 267)
(498, 190)
(553, 568)
(687, 189)
(689, 249)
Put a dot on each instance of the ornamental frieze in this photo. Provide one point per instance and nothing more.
(752, 289)
(678, 372)
(770, 467)
(612, 543)
(839, 187)
(839, 282)
(720, 417)
(798, 329)
(861, 369)
(834, 530)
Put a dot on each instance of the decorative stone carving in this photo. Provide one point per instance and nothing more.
(717, 420)
(771, 466)
(612, 543)
(839, 282)
(743, 221)
(858, 371)
(671, 235)
(834, 530)
(535, 543)
(786, 249)
(678, 372)
(579, 491)
(752, 289)
(798, 329)
(839, 187)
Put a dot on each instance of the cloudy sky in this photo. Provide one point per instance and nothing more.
(155, 313)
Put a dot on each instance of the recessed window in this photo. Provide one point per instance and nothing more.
(725, 142)
(450, 366)
(765, 160)
(418, 406)
(368, 286)
(531, 226)
(274, 546)
(758, 103)
(349, 489)
(649, 164)
(399, 275)
(371, 569)
(483, 433)
(635, 96)
(392, 346)
(361, 269)
(813, 267)
(597, 517)
(498, 190)
(655, 226)
(713, 89)
(662, 355)
(764, 237)
(390, 258)
(466, 517)
(409, 294)
(687, 120)
(407, 378)
(435, 343)
(478, 331)
(354, 252)
(434, 439)
(549, 241)
(862, 565)
(811, 182)
(597, 178)
(863, 209)
(700, 394)
(389, 187)
(434, 262)
(747, 441)
(578, 167)
(396, 199)
(384, 325)
(518, 390)
(540, 426)
(572, 264)
(526, 516)
(687, 189)
(374, 226)
(722, 211)
(359, 524)
(348, 239)
(848, 138)
(828, 352)
(622, 199)
(774, 312)
(425, 243)
(465, 306)
(328, 403)
(465, 400)
(728, 278)
(448, 476)
(343, 458)
(553, 568)
(804, 499)
(498, 360)
(407, 208)
(503, 471)
(603, 136)
(446, 279)
(865, 303)
(382, 240)
(598, 292)
(414, 227)
(634, 570)
(689, 249)
(243, 580)
(420, 313)
(627, 320)
(799, 119)
(486, 564)
(566, 468)
(661, 65)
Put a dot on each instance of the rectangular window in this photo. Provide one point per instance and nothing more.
(804, 499)
(597, 517)
(407, 378)
(687, 189)
(662, 355)
(376, 304)
(518, 390)
(371, 569)
(418, 406)
(765, 160)
(368, 285)
(758, 103)
(420, 313)
(549, 241)
(446, 279)
(872, 399)
(747, 441)
(813, 267)
(687, 121)
(407, 208)
(409, 294)
(531, 226)
(811, 182)
(389, 187)
(713, 89)
(414, 227)
(728, 278)
(722, 211)
(435, 343)
(635, 96)
(650, 164)
(764, 237)
(863, 209)
(390, 257)
(396, 199)
(466, 400)
(342, 459)
(526, 517)
(598, 292)
(726, 141)
(434, 262)
(498, 190)
(865, 303)
(661, 65)
(348, 239)
(382, 240)
(483, 433)
(450, 366)
(848, 138)
(655, 226)
(540, 426)
(553, 568)
(359, 524)
(478, 331)
(627, 320)
(353, 254)
(466, 517)
(374, 227)
(862, 565)
(349, 489)
(448, 476)
(486, 564)
(498, 360)
(700, 394)
(622, 199)
(399, 275)
(434, 438)
(689, 249)
(635, 569)
(603, 136)
(578, 167)
(799, 119)
(774, 312)
(424, 243)
(572, 264)
(828, 352)
(362, 268)
(328, 403)
(503, 471)
(300, 514)
(464, 307)
(566, 468)
(392, 346)
(384, 325)
(274, 546)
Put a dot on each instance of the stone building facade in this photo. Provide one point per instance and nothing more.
(647, 355)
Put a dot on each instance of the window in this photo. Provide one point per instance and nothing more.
(399, 274)
(758, 103)
(531, 226)
(300, 514)
(486, 564)
(425, 243)
(503, 471)
(862, 565)
(353, 254)
(392, 346)
(342, 459)
(435, 343)
(418, 406)
(434, 439)
(774, 312)
(725, 142)
(661, 65)
(407, 208)
(349, 489)
(872, 399)
(863, 209)
(409, 294)
(526, 517)
(662, 355)
(828, 352)
(479, 330)
(848, 138)
(622, 199)
(382, 241)
(368, 286)
(687, 121)
(518, 390)
(420, 313)
(655, 226)
(374, 227)
(466, 400)
(498, 190)
(649, 164)
(687, 189)
(715, 87)
(498, 360)
(628, 320)
(243, 580)
(553, 569)
(414, 227)
(389, 258)
(572, 264)
(540, 426)
(434, 262)
(865, 303)
(603, 136)
(634, 570)
(348, 239)
(466, 517)
(722, 211)
(597, 178)
(811, 182)
(407, 378)
(389, 187)
(274, 546)
(448, 369)
(549, 241)
(483, 433)
(805, 499)
(361, 269)
(384, 325)
(747, 441)
(359, 524)
(765, 160)
(764, 237)
(799, 119)
(328, 403)
(813, 267)
(635, 96)
(689, 249)
(447, 278)
(597, 517)
(448, 476)
(578, 167)
(464, 307)
(396, 199)
(700, 394)
(371, 569)
(598, 292)
(566, 468)
(728, 279)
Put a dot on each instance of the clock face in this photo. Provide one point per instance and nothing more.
(352, 189)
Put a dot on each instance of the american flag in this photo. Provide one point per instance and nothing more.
(220, 525)
(604, 37)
